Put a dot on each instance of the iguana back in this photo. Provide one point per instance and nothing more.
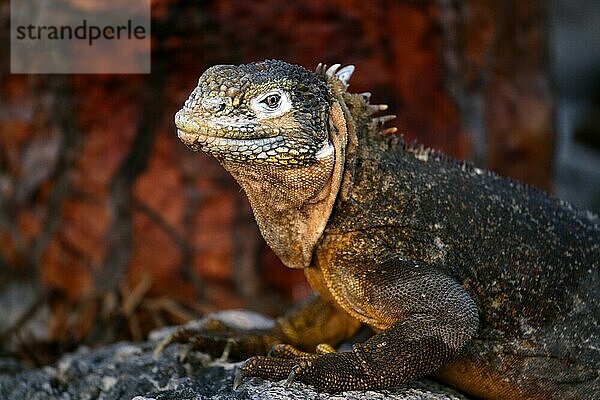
(529, 261)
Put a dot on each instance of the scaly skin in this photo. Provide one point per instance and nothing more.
(489, 284)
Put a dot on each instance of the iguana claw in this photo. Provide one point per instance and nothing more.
(161, 346)
(237, 379)
(226, 351)
(291, 377)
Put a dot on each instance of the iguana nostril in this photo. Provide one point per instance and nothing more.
(213, 104)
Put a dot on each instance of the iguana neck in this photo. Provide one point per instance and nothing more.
(292, 206)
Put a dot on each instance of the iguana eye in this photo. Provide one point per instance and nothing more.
(272, 100)
(271, 104)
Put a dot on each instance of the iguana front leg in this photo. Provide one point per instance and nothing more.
(430, 317)
(306, 326)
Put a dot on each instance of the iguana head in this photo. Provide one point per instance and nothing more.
(279, 129)
(269, 112)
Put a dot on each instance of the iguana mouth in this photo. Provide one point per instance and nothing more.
(275, 149)
(209, 137)
(230, 148)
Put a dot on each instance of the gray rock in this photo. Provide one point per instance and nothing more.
(128, 371)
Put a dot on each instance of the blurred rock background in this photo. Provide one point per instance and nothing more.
(110, 227)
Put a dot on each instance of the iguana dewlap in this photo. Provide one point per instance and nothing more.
(491, 284)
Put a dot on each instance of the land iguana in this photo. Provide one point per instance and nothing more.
(488, 283)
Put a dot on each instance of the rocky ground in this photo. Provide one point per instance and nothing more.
(128, 371)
